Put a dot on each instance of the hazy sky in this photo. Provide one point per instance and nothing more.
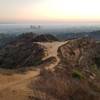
(49, 10)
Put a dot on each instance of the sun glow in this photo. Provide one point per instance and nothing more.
(72, 9)
(51, 10)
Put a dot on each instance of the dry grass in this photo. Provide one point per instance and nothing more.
(53, 86)
(50, 88)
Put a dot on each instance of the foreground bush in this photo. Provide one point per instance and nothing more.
(54, 87)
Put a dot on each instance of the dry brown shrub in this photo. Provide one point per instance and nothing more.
(53, 86)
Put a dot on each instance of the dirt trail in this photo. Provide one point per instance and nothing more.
(23, 77)
(16, 87)
(52, 48)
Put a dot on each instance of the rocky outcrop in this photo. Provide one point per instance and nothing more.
(78, 53)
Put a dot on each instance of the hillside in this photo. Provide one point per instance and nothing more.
(75, 77)
(21, 52)
(70, 70)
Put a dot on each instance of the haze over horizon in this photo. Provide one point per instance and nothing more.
(49, 11)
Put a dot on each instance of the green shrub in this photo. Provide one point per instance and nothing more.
(37, 62)
(94, 67)
(77, 74)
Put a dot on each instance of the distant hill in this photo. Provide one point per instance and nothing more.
(45, 38)
(68, 36)
(28, 37)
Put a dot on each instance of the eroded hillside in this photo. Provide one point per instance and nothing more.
(76, 77)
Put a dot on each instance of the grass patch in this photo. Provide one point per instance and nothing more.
(95, 86)
(37, 62)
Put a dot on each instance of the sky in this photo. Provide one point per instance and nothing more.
(49, 11)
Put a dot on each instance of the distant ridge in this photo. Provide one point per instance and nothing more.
(68, 36)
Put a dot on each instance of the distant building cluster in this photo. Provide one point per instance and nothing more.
(35, 27)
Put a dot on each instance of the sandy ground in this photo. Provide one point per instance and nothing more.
(16, 86)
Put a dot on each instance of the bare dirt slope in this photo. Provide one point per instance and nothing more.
(15, 86)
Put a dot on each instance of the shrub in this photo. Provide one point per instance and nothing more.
(94, 67)
(77, 74)
(97, 61)
(50, 88)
